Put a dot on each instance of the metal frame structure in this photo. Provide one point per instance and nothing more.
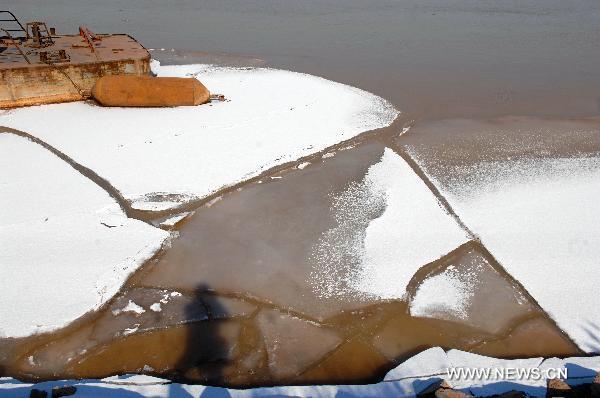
(7, 16)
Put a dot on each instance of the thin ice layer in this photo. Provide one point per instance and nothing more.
(469, 290)
(65, 245)
(161, 157)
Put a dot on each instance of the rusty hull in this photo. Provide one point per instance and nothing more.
(38, 79)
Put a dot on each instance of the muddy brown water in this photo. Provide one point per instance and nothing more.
(238, 300)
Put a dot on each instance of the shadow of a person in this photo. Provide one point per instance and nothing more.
(206, 352)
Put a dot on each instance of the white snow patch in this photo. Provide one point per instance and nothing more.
(449, 292)
(173, 220)
(141, 204)
(303, 165)
(130, 307)
(404, 131)
(135, 379)
(131, 330)
(271, 117)
(156, 307)
(55, 234)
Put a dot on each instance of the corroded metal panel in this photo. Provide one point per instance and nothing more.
(67, 69)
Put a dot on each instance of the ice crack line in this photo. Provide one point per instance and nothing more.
(86, 172)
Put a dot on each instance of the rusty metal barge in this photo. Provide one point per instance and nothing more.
(38, 66)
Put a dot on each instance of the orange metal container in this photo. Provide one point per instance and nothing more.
(146, 91)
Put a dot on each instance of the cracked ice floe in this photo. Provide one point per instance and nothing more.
(538, 217)
(470, 290)
(59, 260)
(175, 155)
(540, 221)
(388, 226)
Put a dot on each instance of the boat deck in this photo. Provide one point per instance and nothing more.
(107, 48)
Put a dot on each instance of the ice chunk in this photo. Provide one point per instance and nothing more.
(171, 221)
(293, 344)
(60, 230)
(469, 290)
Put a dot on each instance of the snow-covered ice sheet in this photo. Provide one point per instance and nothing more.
(413, 229)
(539, 218)
(66, 246)
(175, 155)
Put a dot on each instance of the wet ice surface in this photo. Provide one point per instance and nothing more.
(325, 239)
(265, 249)
(529, 189)
(60, 232)
(468, 289)
(237, 302)
(162, 158)
(285, 339)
